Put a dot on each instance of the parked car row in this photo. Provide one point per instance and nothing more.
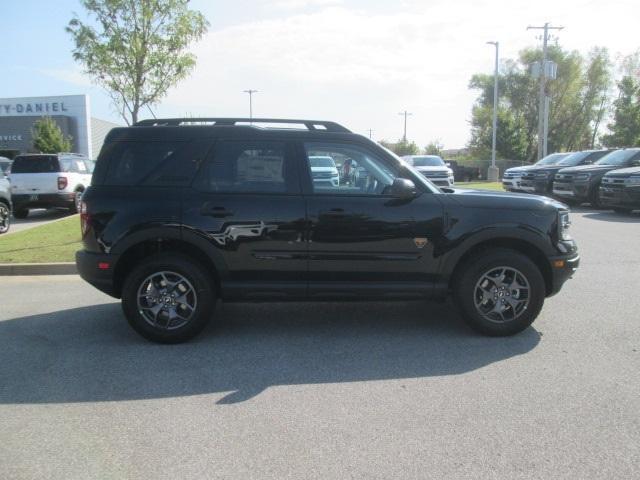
(603, 178)
(42, 181)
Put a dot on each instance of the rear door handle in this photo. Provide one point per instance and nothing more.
(215, 211)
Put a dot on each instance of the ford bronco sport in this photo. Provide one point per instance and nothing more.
(183, 212)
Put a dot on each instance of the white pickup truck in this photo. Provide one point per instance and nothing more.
(48, 180)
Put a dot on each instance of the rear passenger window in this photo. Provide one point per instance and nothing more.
(248, 167)
(149, 163)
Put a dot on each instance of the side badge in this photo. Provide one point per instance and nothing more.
(420, 242)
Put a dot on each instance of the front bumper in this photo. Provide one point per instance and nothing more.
(441, 181)
(562, 269)
(541, 187)
(628, 197)
(46, 200)
(511, 184)
(571, 190)
(91, 267)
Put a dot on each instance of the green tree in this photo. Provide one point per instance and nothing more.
(48, 137)
(625, 127)
(576, 103)
(402, 147)
(434, 148)
(136, 49)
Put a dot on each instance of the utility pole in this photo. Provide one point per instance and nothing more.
(493, 173)
(250, 92)
(542, 110)
(370, 133)
(405, 114)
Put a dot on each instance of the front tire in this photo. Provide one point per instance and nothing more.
(499, 292)
(168, 298)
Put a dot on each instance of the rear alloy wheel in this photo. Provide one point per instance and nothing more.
(5, 217)
(168, 298)
(500, 292)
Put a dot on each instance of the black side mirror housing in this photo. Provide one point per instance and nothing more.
(403, 188)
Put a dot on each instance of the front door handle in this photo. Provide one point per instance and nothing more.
(215, 211)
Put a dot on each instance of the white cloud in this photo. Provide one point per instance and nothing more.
(299, 4)
(361, 67)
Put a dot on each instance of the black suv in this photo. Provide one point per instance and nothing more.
(576, 185)
(539, 179)
(620, 190)
(182, 212)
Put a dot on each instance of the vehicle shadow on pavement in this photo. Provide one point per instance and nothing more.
(90, 354)
(614, 217)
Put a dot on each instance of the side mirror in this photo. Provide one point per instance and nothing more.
(403, 188)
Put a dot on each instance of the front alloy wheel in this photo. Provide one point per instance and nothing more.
(499, 291)
(502, 294)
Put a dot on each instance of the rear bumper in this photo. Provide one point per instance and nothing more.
(46, 200)
(91, 267)
(628, 197)
(562, 269)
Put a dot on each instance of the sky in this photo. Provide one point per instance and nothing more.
(357, 62)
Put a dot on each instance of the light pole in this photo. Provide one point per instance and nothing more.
(250, 92)
(542, 105)
(493, 173)
(406, 114)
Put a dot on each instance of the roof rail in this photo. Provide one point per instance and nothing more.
(311, 125)
(72, 154)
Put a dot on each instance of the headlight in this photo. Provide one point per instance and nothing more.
(582, 177)
(635, 180)
(543, 175)
(563, 225)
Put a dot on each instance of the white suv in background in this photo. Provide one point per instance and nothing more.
(48, 180)
(324, 171)
(431, 167)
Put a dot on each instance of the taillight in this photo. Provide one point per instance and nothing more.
(62, 183)
(84, 218)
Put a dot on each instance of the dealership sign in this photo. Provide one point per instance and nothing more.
(36, 107)
(10, 138)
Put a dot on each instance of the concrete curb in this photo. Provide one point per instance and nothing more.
(38, 269)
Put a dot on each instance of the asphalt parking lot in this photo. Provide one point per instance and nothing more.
(366, 390)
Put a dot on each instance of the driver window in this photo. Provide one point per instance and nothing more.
(347, 169)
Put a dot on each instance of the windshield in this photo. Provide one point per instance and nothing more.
(431, 161)
(619, 157)
(551, 159)
(321, 162)
(574, 159)
(35, 164)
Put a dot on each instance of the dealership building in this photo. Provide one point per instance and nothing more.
(72, 113)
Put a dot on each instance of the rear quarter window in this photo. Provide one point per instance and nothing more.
(153, 163)
(35, 164)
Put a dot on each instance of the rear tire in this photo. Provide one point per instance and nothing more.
(168, 298)
(499, 292)
(22, 213)
(594, 198)
(77, 200)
